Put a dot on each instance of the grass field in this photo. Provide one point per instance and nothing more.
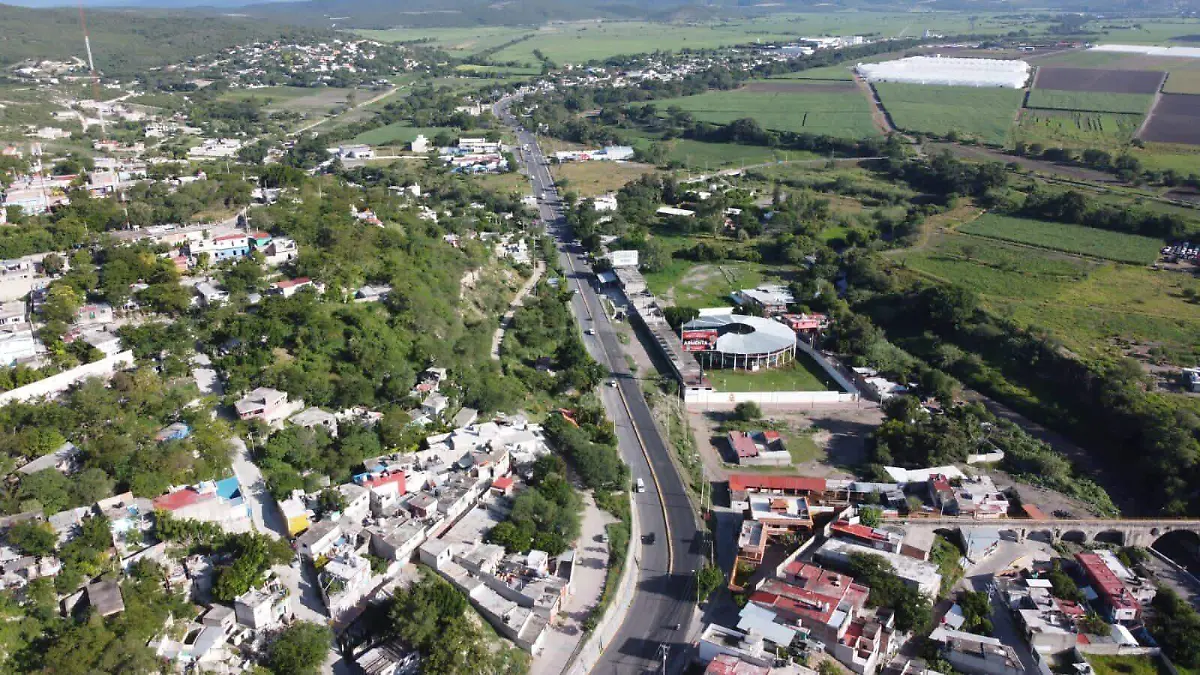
(1090, 241)
(308, 100)
(400, 132)
(458, 41)
(1085, 303)
(588, 179)
(1112, 664)
(1090, 101)
(701, 156)
(1183, 82)
(687, 284)
(503, 183)
(507, 70)
(841, 72)
(843, 114)
(803, 374)
(1069, 129)
(986, 114)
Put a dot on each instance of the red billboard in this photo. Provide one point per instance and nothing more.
(699, 340)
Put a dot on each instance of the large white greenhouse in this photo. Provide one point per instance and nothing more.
(1181, 52)
(948, 71)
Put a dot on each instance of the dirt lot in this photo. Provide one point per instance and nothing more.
(839, 431)
(1098, 79)
(800, 87)
(1176, 119)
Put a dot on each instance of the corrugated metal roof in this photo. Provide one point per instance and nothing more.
(745, 335)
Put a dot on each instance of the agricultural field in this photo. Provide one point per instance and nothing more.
(1098, 80)
(1086, 303)
(470, 68)
(1182, 82)
(589, 179)
(1089, 241)
(1077, 129)
(457, 41)
(839, 72)
(1144, 31)
(986, 114)
(841, 111)
(803, 374)
(1090, 101)
(1175, 119)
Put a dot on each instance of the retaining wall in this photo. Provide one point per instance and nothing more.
(588, 654)
(57, 384)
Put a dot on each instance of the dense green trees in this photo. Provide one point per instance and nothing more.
(1176, 628)
(597, 462)
(912, 609)
(300, 649)
(545, 516)
(431, 616)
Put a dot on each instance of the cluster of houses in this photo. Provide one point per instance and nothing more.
(474, 155)
(610, 153)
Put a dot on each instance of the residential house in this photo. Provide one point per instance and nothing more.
(105, 598)
(263, 403)
(176, 431)
(295, 514)
(289, 287)
(99, 313)
(223, 247)
(357, 499)
(65, 459)
(210, 295)
(919, 574)
(263, 608)
(319, 539)
(218, 502)
(759, 448)
(315, 418)
(768, 299)
(280, 250)
(1120, 606)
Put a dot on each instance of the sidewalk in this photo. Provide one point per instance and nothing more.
(591, 563)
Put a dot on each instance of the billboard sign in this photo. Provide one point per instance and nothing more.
(623, 258)
(699, 340)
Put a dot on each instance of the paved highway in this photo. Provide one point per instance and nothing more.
(672, 545)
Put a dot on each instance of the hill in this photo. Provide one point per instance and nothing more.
(126, 41)
(443, 13)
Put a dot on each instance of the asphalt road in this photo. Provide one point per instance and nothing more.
(666, 588)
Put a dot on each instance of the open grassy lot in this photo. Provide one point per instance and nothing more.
(1112, 664)
(1076, 129)
(687, 284)
(503, 183)
(844, 114)
(1183, 82)
(305, 100)
(803, 374)
(1085, 303)
(507, 70)
(1090, 241)
(986, 114)
(1090, 101)
(401, 133)
(588, 179)
(701, 156)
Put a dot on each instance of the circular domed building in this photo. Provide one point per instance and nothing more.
(739, 342)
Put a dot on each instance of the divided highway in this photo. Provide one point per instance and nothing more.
(671, 548)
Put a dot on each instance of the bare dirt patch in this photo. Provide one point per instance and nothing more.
(800, 87)
(1175, 119)
(1099, 79)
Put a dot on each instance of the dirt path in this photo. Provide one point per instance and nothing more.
(323, 120)
(498, 336)
(879, 116)
(1153, 106)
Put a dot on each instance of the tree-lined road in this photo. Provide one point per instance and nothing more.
(672, 545)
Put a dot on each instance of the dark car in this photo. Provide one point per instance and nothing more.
(648, 538)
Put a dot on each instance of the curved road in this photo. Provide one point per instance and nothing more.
(666, 590)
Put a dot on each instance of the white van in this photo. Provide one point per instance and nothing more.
(641, 485)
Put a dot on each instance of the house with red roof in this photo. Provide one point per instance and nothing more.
(759, 448)
(289, 287)
(1119, 603)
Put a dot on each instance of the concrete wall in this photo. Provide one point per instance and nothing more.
(588, 653)
(843, 377)
(57, 384)
(702, 397)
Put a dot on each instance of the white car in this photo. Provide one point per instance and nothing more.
(590, 331)
(641, 485)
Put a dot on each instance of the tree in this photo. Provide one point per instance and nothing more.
(747, 411)
(33, 538)
(709, 579)
(870, 515)
(1094, 624)
(977, 609)
(300, 649)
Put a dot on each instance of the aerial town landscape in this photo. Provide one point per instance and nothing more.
(561, 338)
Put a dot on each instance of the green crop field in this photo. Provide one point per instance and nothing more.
(1090, 101)
(1145, 32)
(1084, 302)
(458, 41)
(803, 374)
(1077, 129)
(1183, 82)
(845, 114)
(842, 72)
(1090, 241)
(986, 114)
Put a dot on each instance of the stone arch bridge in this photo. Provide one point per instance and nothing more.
(1124, 532)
